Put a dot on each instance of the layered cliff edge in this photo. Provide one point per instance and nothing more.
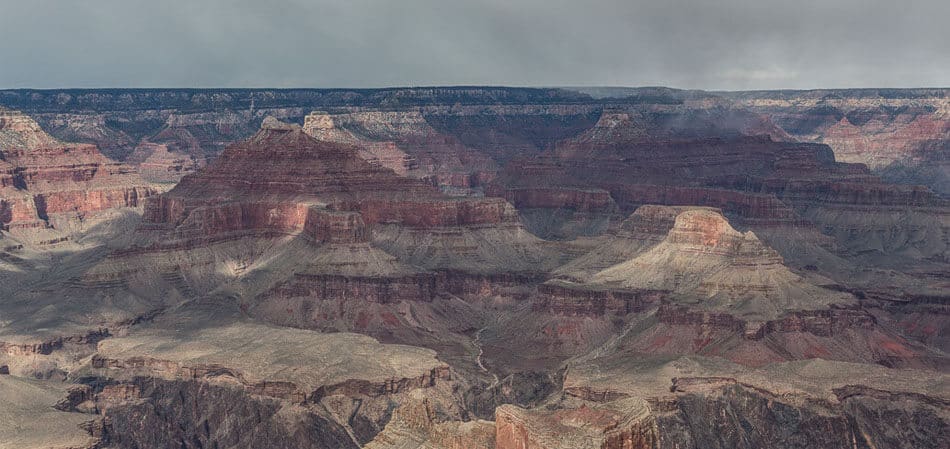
(42, 178)
(900, 134)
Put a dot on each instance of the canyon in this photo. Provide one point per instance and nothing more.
(474, 267)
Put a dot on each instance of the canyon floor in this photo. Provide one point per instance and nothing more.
(460, 268)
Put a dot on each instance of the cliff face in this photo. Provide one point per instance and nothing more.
(247, 388)
(158, 415)
(645, 156)
(702, 287)
(625, 424)
(703, 402)
(201, 122)
(771, 422)
(282, 165)
(722, 413)
(453, 136)
(459, 148)
(420, 423)
(902, 135)
(405, 142)
(322, 238)
(161, 164)
(41, 177)
(641, 155)
(324, 127)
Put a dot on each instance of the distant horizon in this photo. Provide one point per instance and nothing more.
(473, 86)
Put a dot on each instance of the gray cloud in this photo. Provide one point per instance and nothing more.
(707, 44)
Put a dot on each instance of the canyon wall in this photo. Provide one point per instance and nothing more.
(40, 176)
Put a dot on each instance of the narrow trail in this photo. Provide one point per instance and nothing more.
(478, 359)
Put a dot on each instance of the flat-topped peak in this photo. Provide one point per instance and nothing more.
(273, 124)
(709, 230)
(706, 262)
(275, 134)
(705, 227)
(318, 120)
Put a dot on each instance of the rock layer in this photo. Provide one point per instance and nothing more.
(901, 134)
(703, 259)
(41, 177)
(290, 166)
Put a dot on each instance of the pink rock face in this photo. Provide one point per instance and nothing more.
(884, 139)
(40, 176)
(229, 220)
(903, 137)
(702, 230)
(283, 180)
(584, 427)
(636, 159)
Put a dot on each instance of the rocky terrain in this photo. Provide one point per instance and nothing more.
(48, 187)
(461, 268)
(901, 134)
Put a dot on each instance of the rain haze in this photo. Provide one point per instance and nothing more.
(729, 44)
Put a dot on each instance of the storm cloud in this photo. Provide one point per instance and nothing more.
(705, 44)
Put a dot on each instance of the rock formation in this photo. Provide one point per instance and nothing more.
(697, 401)
(641, 155)
(703, 260)
(417, 425)
(638, 160)
(619, 424)
(455, 148)
(30, 420)
(43, 178)
(900, 134)
(320, 238)
(157, 163)
(325, 174)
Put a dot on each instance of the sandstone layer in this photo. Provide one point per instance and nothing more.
(41, 177)
(704, 260)
(901, 134)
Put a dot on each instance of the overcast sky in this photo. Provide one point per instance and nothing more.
(704, 44)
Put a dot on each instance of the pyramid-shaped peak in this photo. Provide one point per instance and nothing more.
(273, 124)
(275, 134)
